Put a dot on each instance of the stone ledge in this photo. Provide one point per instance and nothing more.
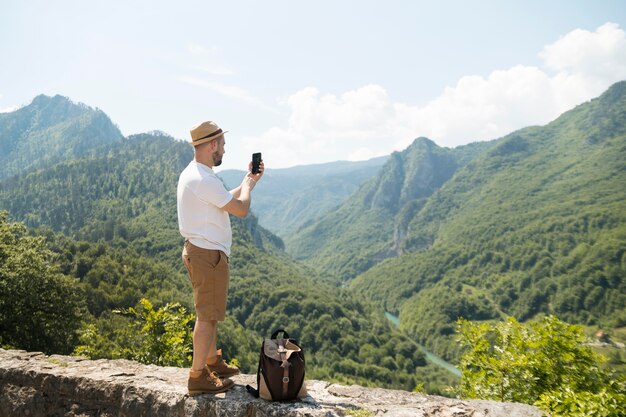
(35, 385)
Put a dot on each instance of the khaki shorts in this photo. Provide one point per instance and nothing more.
(208, 272)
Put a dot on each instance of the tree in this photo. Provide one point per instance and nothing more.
(40, 308)
(545, 363)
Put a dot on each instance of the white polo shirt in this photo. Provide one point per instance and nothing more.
(201, 196)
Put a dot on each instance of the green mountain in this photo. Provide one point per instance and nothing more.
(371, 225)
(535, 224)
(49, 130)
(283, 203)
(110, 216)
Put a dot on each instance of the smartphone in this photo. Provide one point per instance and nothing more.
(256, 161)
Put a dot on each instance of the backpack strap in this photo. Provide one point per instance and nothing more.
(275, 334)
(285, 365)
(252, 391)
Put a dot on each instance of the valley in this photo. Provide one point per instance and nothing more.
(431, 357)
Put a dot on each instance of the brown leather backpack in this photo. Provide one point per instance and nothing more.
(280, 376)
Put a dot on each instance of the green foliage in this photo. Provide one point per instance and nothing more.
(545, 362)
(430, 315)
(105, 337)
(156, 336)
(114, 278)
(122, 336)
(569, 403)
(40, 308)
(164, 335)
(435, 380)
(239, 344)
(125, 193)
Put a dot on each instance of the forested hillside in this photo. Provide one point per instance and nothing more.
(290, 198)
(534, 225)
(110, 218)
(370, 226)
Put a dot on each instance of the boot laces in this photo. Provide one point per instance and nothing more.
(214, 378)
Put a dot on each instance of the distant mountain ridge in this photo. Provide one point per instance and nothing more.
(49, 130)
(289, 198)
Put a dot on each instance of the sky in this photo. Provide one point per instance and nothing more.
(319, 81)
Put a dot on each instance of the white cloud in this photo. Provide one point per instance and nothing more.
(480, 108)
(600, 54)
(355, 125)
(365, 122)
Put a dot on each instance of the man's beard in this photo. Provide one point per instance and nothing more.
(216, 162)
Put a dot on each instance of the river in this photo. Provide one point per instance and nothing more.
(431, 357)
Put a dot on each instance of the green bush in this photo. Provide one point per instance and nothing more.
(153, 336)
(165, 334)
(569, 403)
(546, 362)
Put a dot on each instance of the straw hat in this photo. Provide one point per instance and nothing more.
(205, 132)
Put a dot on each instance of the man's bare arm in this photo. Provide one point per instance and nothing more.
(240, 204)
(236, 192)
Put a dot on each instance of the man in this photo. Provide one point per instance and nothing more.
(203, 207)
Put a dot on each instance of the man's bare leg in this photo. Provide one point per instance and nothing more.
(204, 343)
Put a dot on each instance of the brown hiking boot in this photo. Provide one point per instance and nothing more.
(207, 383)
(221, 368)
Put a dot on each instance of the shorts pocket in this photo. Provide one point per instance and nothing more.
(213, 258)
(223, 259)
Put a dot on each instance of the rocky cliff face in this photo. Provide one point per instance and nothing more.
(35, 385)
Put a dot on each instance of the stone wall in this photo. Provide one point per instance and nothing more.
(35, 385)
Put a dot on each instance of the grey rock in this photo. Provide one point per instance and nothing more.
(35, 385)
